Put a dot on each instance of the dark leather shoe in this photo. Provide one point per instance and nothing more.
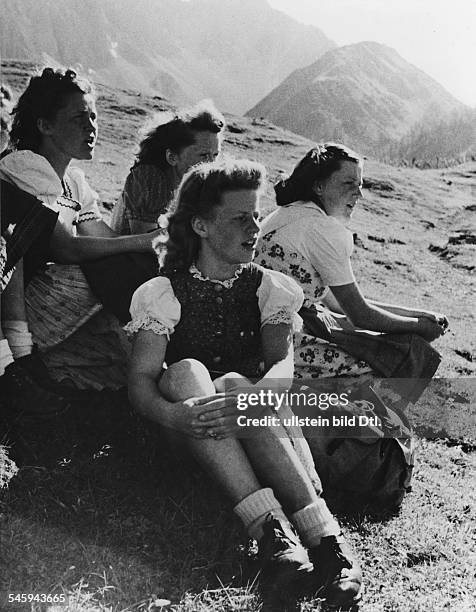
(25, 397)
(338, 573)
(284, 560)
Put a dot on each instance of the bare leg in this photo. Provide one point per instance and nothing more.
(234, 464)
(224, 460)
(280, 463)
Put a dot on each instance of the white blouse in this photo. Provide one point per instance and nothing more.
(73, 198)
(323, 243)
(154, 306)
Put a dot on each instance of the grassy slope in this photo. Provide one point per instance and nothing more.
(116, 529)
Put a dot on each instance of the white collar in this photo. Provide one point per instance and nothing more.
(227, 283)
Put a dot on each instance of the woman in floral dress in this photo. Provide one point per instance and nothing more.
(307, 237)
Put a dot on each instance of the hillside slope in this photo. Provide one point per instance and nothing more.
(234, 51)
(416, 229)
(439, 141)
(365, 95)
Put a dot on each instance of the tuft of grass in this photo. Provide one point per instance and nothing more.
(8, 468)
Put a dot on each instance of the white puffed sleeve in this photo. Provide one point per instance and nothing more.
(279, 299)
(154, 307)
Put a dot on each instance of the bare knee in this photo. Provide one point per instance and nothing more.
(229, 381)
(184, 379)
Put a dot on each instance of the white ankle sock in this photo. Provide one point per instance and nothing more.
(254, 509)
(6, 357)
(314, 522)
(19, 338)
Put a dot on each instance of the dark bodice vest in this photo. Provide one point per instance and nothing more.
(219, 326)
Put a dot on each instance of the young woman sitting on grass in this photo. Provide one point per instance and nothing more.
(213, 316)
(167, 152)
(55, 122)
(307, 237)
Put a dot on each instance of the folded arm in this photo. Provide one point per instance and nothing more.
(146, 364)
(366, 314)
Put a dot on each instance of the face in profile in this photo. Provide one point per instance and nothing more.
(339, 193)
(73, 132)
(205, 149)
(230, 236)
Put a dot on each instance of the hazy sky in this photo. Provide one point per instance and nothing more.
(438, 36)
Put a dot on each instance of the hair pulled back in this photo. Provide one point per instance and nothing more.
(317, 165)
(199, 194)
(179, 133)
(44, 96)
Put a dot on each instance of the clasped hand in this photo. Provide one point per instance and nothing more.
(212, 416)
(433, 325)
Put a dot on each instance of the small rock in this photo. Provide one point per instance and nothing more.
(159, 603)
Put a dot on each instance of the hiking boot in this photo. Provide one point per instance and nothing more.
(338, 572)
(25, 397)
(284, 560)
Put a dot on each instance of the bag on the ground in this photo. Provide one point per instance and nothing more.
(366, 467)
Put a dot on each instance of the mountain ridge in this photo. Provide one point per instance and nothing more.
(234, 52)
(363, 94)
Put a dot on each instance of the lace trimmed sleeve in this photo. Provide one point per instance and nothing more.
(154, 307)
(279, 299)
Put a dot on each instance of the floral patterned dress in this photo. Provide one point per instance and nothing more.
(291, 243)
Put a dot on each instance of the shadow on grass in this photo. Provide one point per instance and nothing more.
(101, 501)
(100, 491)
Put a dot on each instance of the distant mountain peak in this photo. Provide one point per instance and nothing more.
(364, 94)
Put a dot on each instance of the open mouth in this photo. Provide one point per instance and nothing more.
(91, 141)
(250, 244)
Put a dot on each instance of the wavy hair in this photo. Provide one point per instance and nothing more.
(317, 165)
(44, 96)
(179, 133)
(198, 196)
